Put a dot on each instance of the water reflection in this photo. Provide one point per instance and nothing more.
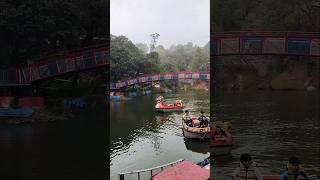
(197, 146)
(142, 138)
(272, 126)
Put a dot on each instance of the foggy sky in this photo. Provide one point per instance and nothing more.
(177, 21)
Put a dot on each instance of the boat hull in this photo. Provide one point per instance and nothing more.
(218, 147)
(178, 109)
(189, 132)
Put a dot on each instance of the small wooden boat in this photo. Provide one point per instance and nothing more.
(221, 146)
(180, 169)
(195, 132)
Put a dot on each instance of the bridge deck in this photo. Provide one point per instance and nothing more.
(72, 62)
(160, 77)
(265, 43)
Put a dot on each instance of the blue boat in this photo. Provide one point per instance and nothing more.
(115, 98)
(147, 92)
(16, 112)
(132, 94)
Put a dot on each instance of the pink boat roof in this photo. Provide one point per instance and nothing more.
(185, 170)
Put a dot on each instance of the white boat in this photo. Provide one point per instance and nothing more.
(195, 133)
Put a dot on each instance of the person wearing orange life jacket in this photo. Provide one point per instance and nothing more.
(247, 169)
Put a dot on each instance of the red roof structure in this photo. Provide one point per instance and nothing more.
(185, 170)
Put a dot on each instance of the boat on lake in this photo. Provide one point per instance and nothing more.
(221, 141)
(161, 106)
(195, 132)
(221, 146)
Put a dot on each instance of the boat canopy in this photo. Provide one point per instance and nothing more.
(185, 170)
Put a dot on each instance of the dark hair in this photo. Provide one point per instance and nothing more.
(221, 131)
(201, 112)
(245, 157)
(294, 160)
(186, 111)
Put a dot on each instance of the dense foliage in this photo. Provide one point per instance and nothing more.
(271, 15)
(128, 60)
(29, 29)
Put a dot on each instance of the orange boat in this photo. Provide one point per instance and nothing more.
(161, 106)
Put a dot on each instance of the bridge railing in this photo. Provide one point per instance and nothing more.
(265, 43)
(161, 76)
(8, 76)
(78, 61)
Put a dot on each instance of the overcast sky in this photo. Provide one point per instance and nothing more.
(177, 21)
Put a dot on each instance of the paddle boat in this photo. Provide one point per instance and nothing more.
(195, 132)
(221, 141)
(161, 106)
(180, 169)
(221, 146)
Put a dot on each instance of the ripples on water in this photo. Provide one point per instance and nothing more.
(142, 138)
(271, 126)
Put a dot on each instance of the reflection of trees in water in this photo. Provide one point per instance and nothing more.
(156, 141)
(162, 119)
(197, 145)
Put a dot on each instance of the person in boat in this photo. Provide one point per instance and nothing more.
(219, 134)
(294, 170)
(247, 169)
(178, 103)
(159, 100)
(186, 118)
(203, 120)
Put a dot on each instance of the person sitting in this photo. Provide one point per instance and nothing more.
(293, 170)
(219, 134)
(195, 123)
(186, 118)
(247, 169)
(203, 120)
(178, 103)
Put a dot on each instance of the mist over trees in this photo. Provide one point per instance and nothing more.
(128, 59)
(271, 15)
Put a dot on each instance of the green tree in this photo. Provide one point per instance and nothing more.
(143, 47)
(200, 62)
(127, 60)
